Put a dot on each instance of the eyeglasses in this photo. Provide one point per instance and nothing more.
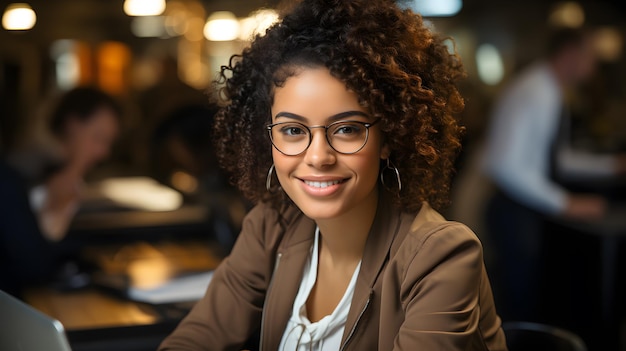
(294, 138)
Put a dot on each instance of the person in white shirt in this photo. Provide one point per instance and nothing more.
(521, 145)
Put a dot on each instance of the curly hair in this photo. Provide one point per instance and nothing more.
(401, 72)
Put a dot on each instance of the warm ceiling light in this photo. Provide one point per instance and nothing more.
(567, 14)
(221, 26)
(19, 16)
(144, 7)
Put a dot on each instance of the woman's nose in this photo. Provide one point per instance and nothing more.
(320, 153)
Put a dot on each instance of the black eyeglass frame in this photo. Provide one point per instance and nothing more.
(366, 125)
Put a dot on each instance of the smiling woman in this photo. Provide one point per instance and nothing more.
(340, 123)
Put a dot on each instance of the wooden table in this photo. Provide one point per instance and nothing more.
(89, 309)
(97, 320)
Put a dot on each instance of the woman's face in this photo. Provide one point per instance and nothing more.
(322, 182)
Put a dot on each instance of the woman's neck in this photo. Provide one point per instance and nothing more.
(342, 239)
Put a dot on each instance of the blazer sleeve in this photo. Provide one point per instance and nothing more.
(230, 312)
(440, 292)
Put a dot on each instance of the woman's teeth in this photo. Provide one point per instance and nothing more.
(321, 184)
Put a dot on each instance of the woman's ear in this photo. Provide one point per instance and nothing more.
(385, 152)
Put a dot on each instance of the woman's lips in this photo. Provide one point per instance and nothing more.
(321, 187)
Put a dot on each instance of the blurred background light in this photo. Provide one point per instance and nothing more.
(141, 193)
(148, 26)
(184, 182)
(19, 16)
(176, 24)
(257, 23)
(113, 59)
(192, 68)
(489, 64)
(608, 43)
(568, 14)
(195, 26)
(221, 26)
(144, 7)
(145, 72)
(434, 8)
(67, 63)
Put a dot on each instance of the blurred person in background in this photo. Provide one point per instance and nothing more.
(525, 147)
(42, 182)
(83, 127)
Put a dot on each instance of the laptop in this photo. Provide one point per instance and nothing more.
(23, 328)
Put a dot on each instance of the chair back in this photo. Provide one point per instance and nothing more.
(527, 336)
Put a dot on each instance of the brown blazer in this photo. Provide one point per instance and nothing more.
(422, 286)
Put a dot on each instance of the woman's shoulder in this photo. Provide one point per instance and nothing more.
(271, 214)
(429, 222)
(430, 228)
(436, 248)
(275, 225)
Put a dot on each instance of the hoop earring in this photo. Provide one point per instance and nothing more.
(392, 167)
(268, 180)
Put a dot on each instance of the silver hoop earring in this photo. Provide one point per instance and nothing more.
(390, 166)
(268, 180)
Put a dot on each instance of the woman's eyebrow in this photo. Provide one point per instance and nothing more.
(290, 115)
(343, 115)
(333, 118)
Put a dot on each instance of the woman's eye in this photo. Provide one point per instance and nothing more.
(292, 130)
(347, 129)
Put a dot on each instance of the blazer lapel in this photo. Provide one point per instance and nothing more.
(375, 254)
(286, 281)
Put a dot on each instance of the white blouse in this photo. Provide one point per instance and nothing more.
(325, 334)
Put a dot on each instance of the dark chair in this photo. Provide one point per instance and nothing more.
(527, 336)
